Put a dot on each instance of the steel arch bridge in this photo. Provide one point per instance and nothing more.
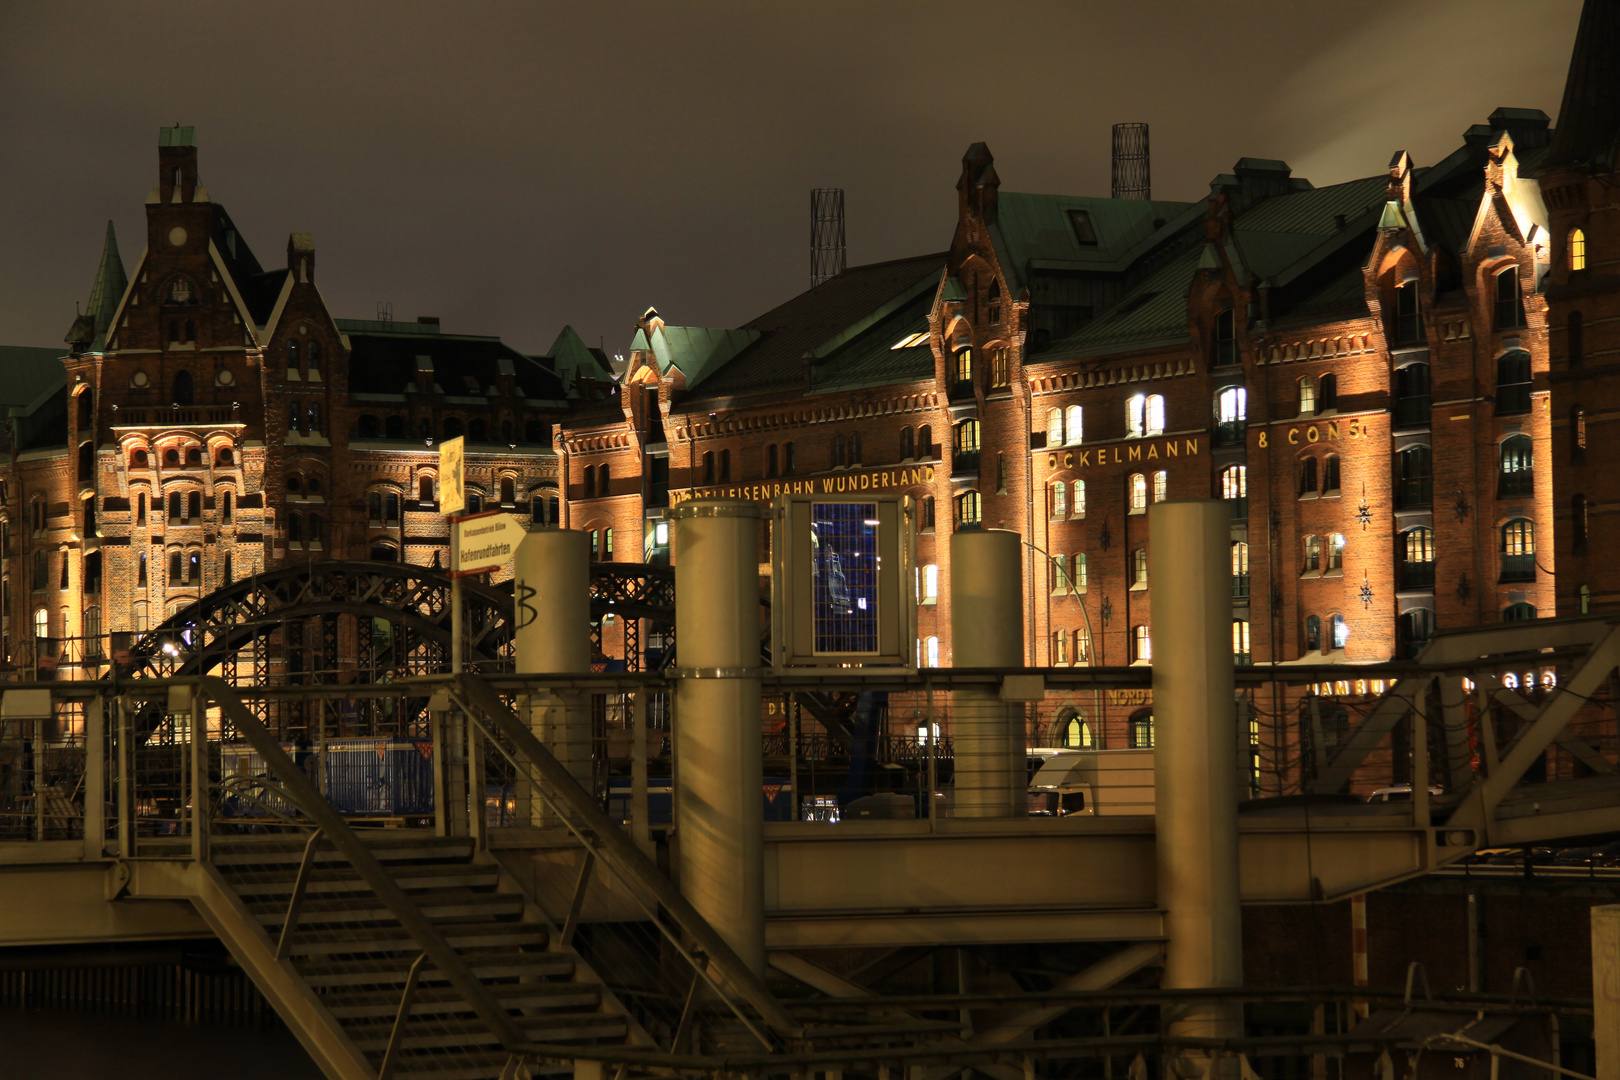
(369, 621)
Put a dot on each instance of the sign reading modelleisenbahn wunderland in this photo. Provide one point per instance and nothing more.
(842, 483)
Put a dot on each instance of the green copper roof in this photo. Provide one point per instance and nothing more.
(108, 290)
(569, 356)
(698, 351)
(639, 341)
(27, 374)
(177, 136)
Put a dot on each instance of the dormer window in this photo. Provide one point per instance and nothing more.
(1408, 315)
(1509, 300)
(1226, 352)
(1084, 233)
(993, 299)
(1577, 250)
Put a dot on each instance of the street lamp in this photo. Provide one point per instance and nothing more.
(1091, 638)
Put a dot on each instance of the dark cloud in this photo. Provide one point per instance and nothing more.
(513, 167)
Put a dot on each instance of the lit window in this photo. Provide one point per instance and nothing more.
(1139, 493)
(1136, 416)
(1000, 370)
(1577, 249)
(1240, 640)
(1072, 425)
(1141, 731)
(969, 508)
(931, 652)
(1139, 566)
(1077, 504)
(1060, 573)
(1341, 631)
(1058, 500)
(1079, 572)
(1054, 427)
(42, 623)
(964, 366)
(1335, 551)
(1060, 647)
(930, 583)
(1161, 486)
(1307, 395)
(1142, 644)
(1235, 482)
(1232, 405)
(1313, 633)
(1313, 553)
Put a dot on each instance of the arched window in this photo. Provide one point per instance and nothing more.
(508, 490)
(314, 358)
(1139, 567)
(967, 439)
(1412, 395)
(424, 489)
(1060, 647)
(1313, 633)
(969, 508)
(1416, 627)
(176, 568)
(925, 446)
(854, 457)
(590, 475)
(930, 584)
(1240, 569)
(1235, 489)
(1513, 382)
(1225, 338)
(1327, 393)
(1240, 641)
(1075, 732)
(314, 528)
(1307, 475)
(1313, 553)
(1307, 395)
(1520, 612)
(931, 652)
(174, 507)
(1077, 501)
(964, 369)
(1139, 493)
(708, 461)
(1054, 427)
(140, 570)
(1519, 550)
(295, 528)
(1577, 250)
(992, 297)
(1339, 630)
(928, 513)
(1057, 499)
(1231, 414)
(182, 388)
(908, 448)
(1141, 726)
(1161, 486)
(1417, 558)
(1517, 476)
(1141, 644)
(1073, 429)
(1144, 415)
(1577, 520)
(1576, 346)
(42, 568)
(1330, 474)
(607, 544)
(838, 458)
(1335, 551)
(773, 458)
(1417, 477)
(226, 572)
(384, 553)
(42, 623)
(1408, 316)
(1509, 300)
(292, 356)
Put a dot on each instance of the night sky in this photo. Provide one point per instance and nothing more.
(511, 167)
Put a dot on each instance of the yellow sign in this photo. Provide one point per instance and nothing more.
(1306, 434)
(1125, 453)
(838, 484)
(1134, 696)
(452, 477)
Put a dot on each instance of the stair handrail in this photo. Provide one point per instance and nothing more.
(337, 832)
(622, 855)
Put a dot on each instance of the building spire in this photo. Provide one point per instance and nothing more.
(1589, 117)
(89, 331)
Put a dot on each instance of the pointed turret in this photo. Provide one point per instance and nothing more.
(1589, 117)
(89, 332)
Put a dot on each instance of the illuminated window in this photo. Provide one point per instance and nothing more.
(1577, 249)
(1079, 571)
(964, 367)
(1141, 731)
(1307, 395)
(1060, 647)
(1341, 631)
(1139, 493)
(1058, 500)
(1240, 640)
(1139, 567)
(1077, 503)
(1141, 644)
(1082, 655)
(1518, 551)
(1240, 569)
(930, 583)
(1335, 551)
(1144, 415)
(967, 438)
(969, 508)
(1072, 427)
(1313, 633)
(1060, 573)
(1520, 612)
(1235, 489)
(1313, 553)
(1000, 369)
(607, 545)
(1516, 475)
(42, 623)
(1161, 486)
(931, 652)
(1054, 427)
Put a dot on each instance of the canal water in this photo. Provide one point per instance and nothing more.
(53, 1044)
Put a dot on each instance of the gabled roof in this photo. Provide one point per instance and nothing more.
(570, 358)
(27, 373)
(697, 351)
(108, 290)
(1045, 231)
(462, 365)
(1589, 116)
(814, 328)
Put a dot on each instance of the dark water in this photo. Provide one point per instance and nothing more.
(49, 1044)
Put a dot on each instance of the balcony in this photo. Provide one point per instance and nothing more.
(1519, 567)
(1417, 576)
(175, 417)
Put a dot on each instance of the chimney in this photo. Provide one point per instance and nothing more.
(1132, 178)
(826, 234)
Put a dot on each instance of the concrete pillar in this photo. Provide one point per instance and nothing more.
(987, 630)
(1606, 988)
(720, 809)
(1195, 747)
(552, 610)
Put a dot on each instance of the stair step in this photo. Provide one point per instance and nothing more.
(341, 978)
(444, 1034)
(345, 879)
(227, 852)
(435, 904)
(396, 939)
(384, 1004)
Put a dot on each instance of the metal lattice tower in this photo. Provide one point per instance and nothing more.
(826, 234)
(1132, 178)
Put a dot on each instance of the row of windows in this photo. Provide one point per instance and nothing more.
(999, 373)
(1323, 553)
(1060, 647)
(477, 430)
(139, 459)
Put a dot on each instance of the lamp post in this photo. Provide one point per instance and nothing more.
(1091, 638)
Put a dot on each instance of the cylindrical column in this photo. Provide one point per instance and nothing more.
(720, 810)
(1605, 977)
(1195, 757)
(987, 625)
(552, 611)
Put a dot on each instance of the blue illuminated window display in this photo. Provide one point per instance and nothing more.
(844, 539)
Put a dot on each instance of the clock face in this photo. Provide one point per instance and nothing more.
(138, 379)
(177, 236)
(225, 377)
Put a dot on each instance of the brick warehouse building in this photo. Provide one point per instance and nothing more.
(1365, 371)
(212, 419)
